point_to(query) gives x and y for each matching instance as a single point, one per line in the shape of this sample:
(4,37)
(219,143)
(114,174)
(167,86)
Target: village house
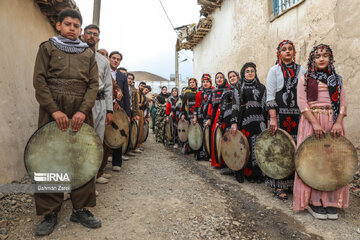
(233,32)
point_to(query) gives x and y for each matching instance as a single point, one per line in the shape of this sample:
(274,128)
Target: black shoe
(239,176)
(317,211)
(251,180)
(47,225)
(85,218)
(331,213)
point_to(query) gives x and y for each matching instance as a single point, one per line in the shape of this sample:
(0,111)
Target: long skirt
(213,161)
(305,195)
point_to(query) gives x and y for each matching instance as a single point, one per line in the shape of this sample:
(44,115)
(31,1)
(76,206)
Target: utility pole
(176,68)
(96,12)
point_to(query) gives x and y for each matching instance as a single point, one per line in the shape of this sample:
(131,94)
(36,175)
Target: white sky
(140,30)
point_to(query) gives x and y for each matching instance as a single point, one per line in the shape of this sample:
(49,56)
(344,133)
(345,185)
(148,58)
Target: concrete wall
(243,32)
(23,28)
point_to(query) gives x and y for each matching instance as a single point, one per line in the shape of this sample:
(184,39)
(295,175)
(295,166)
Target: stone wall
(243,32)
(23,28)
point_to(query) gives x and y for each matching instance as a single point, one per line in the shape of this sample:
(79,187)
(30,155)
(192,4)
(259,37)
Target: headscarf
(278,53)
(206,76)
(328,76)
(225,81)
(162,97)
(172,90)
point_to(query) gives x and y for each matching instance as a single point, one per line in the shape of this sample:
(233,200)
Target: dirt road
(161,194)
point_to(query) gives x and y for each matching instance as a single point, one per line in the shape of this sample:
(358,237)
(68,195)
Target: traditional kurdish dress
(214,105)
(160,104)
(281,82)
(226,108)
(173,107)
(201,99)
(325,110)
(249,113)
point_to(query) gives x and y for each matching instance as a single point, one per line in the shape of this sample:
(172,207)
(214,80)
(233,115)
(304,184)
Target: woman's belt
(64,86)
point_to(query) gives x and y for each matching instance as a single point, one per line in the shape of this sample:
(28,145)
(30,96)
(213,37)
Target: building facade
(244,31)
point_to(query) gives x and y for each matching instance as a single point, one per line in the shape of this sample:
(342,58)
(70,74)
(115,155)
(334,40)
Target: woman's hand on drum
(337,130)
(233,129)
(182,117)
(109,118)
(318,130)
(273,125)
(195,120)
(208,122)
(61,119)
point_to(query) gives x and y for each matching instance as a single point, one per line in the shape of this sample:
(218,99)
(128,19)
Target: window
(281,6)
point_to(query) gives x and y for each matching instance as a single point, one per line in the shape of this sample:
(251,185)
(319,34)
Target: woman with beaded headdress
(213,113)
(322,102)
(284,113)
(201,98)
(249,115)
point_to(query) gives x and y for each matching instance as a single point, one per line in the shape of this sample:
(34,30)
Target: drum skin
(207,139)
(169,129)
(117,133)
(217,138)
(235,150)
(183,130)
(275,153)
(146,131)
(195,136)
(326,164)
(134,135)
(51,150)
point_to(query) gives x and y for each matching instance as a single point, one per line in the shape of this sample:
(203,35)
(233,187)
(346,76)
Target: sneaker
(85,218)
(176,145)
(331,213)
(125,158)
(47,225)
(107,175)
(318,212)
(137,151)
(66,196)
(110,159)
(102,180)
(96,193)
(116,168)
(130,154)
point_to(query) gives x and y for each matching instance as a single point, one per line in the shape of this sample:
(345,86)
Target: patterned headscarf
(206,76)
(225,81)
(329,77)
(278,53)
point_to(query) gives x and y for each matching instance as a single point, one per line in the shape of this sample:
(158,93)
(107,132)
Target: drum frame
(217,158)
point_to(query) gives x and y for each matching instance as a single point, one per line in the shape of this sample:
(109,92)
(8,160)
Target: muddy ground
(162,194)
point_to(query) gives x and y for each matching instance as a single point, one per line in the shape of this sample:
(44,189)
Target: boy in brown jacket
(66,84)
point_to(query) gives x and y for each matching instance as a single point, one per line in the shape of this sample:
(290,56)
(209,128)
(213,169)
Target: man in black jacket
(120,78)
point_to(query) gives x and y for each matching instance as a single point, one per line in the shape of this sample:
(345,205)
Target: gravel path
(161,194)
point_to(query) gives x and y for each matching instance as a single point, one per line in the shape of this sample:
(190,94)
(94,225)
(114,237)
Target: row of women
(300,101)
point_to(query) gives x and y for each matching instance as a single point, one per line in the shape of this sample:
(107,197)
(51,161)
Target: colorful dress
(303,194)
(281,87)
(249,113)
(214,105)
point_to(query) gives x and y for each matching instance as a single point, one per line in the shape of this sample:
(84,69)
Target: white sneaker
(116,168)
(96,193)
(102,180)
(176,145)
(66,196)
(130,154)
(107,175)
(137,151)
(110,159)
(125,158)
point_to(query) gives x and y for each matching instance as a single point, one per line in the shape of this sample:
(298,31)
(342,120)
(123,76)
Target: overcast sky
(140,30)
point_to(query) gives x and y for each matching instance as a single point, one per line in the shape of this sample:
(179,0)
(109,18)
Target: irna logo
(51,177)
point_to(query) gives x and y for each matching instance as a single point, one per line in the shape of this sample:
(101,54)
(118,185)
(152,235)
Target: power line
(167,16)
